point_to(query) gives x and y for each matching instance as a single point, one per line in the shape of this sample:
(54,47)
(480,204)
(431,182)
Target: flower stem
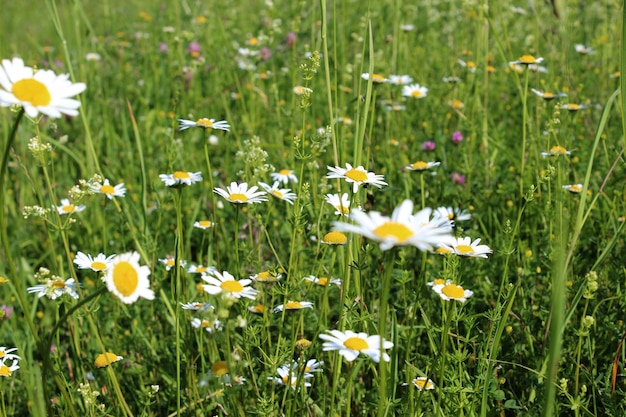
(382,330)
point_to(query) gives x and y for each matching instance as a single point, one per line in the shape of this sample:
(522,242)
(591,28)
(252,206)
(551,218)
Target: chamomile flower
(455,214)
(400,79)
(527,60)
(241,194)
(209,325)
(351,344)
(573,107)
(6,370)
(335,238)
(105,359)
(546,95)
(293,305)
(204,224)
(128,280)
(422,166)
(289,377)
(180,178)
(423,383)
(450,291)
(357,176)
(556,150)
(204,123)
(67,208)
(38,92)
(267,276)
(199,269)
(226,284)
(573,188)
(196,306)
(284,175)
(99,264)
(463,246)
(401,229)
(323,281)
(6,354)
(284,194)
(341,204)
(109,190)
(376,78)
(414,91)
(54,288)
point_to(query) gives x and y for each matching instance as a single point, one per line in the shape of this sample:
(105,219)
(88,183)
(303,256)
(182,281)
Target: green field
(293,208)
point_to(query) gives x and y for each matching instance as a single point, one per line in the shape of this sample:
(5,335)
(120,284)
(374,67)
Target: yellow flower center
(377,78)
(457,104)
(69,208)
(322,281)
(335,238)
(420,165)
(277,193)
(292,305)
(558,150)
(548,96)
(200,269)
(32,91)
(125,278)
(422,383)
(238,197)
(471,64)
(453,291)
(181,175)
(356,175)
(105,359)
(572,107)
(356,343)
(219,368)
(259,308)
(575,188)
(345,210)
(465,249)
(253,41)
(284,172)
(107,189)
(57,285)
(393,229)
(527,59)
(231,286)
(2,353)
(205,123)
(442,251)
(416,93)
(5,371)
(205,223)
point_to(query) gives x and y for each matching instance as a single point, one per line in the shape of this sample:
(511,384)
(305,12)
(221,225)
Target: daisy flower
(527,60)
(289,378)
(401,229)
(335,238)
(100,263)
(38,92)
(357,176)
(463,246)
(395,106)
(449,291)
(422,166)
(399,79)
(204,224)
(312,365)
(180,178)
(423,383)
(556,150)
(376,78)
(414,91)
(293,305)
(284,194)
(266,276)
(108,190)
(105,359)
(455,214)
(572,107)
(208,325)
(547,95)
(170,261)
(203,123)
(257,309)
(343,119)
(438,281)
(194,306)
(300,90)
(55,287)
(584,50)
(225,283)
(469,65)
(5,354)
(341,204)
(351,344)
(284,175)
(6,370)
(66,207)
(573,188)
(127,280)
(240,194)
(323,281)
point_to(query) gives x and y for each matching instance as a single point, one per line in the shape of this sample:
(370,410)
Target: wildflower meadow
(312,208)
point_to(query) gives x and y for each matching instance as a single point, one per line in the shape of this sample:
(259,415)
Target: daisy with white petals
(341,204)
(99,264)
(284,194)
(181,178)
(414,91)
(38,92)
(54,288)
(67,208)
(109,190)
(226,284)
(401,229)
(422,166)
(351,344)
(463,246)
(241,194)
(573,188)
(450,291)
(128,280)
(293,305)
(356,176)
(204,123)
(284,176)
(6,354)
(6,370)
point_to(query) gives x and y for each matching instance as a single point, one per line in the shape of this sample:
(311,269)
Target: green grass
(541,333)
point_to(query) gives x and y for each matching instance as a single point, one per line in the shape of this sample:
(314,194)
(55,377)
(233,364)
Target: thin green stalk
(524,131)
(443,351)
(177,289)
(382,330)
(329,87)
